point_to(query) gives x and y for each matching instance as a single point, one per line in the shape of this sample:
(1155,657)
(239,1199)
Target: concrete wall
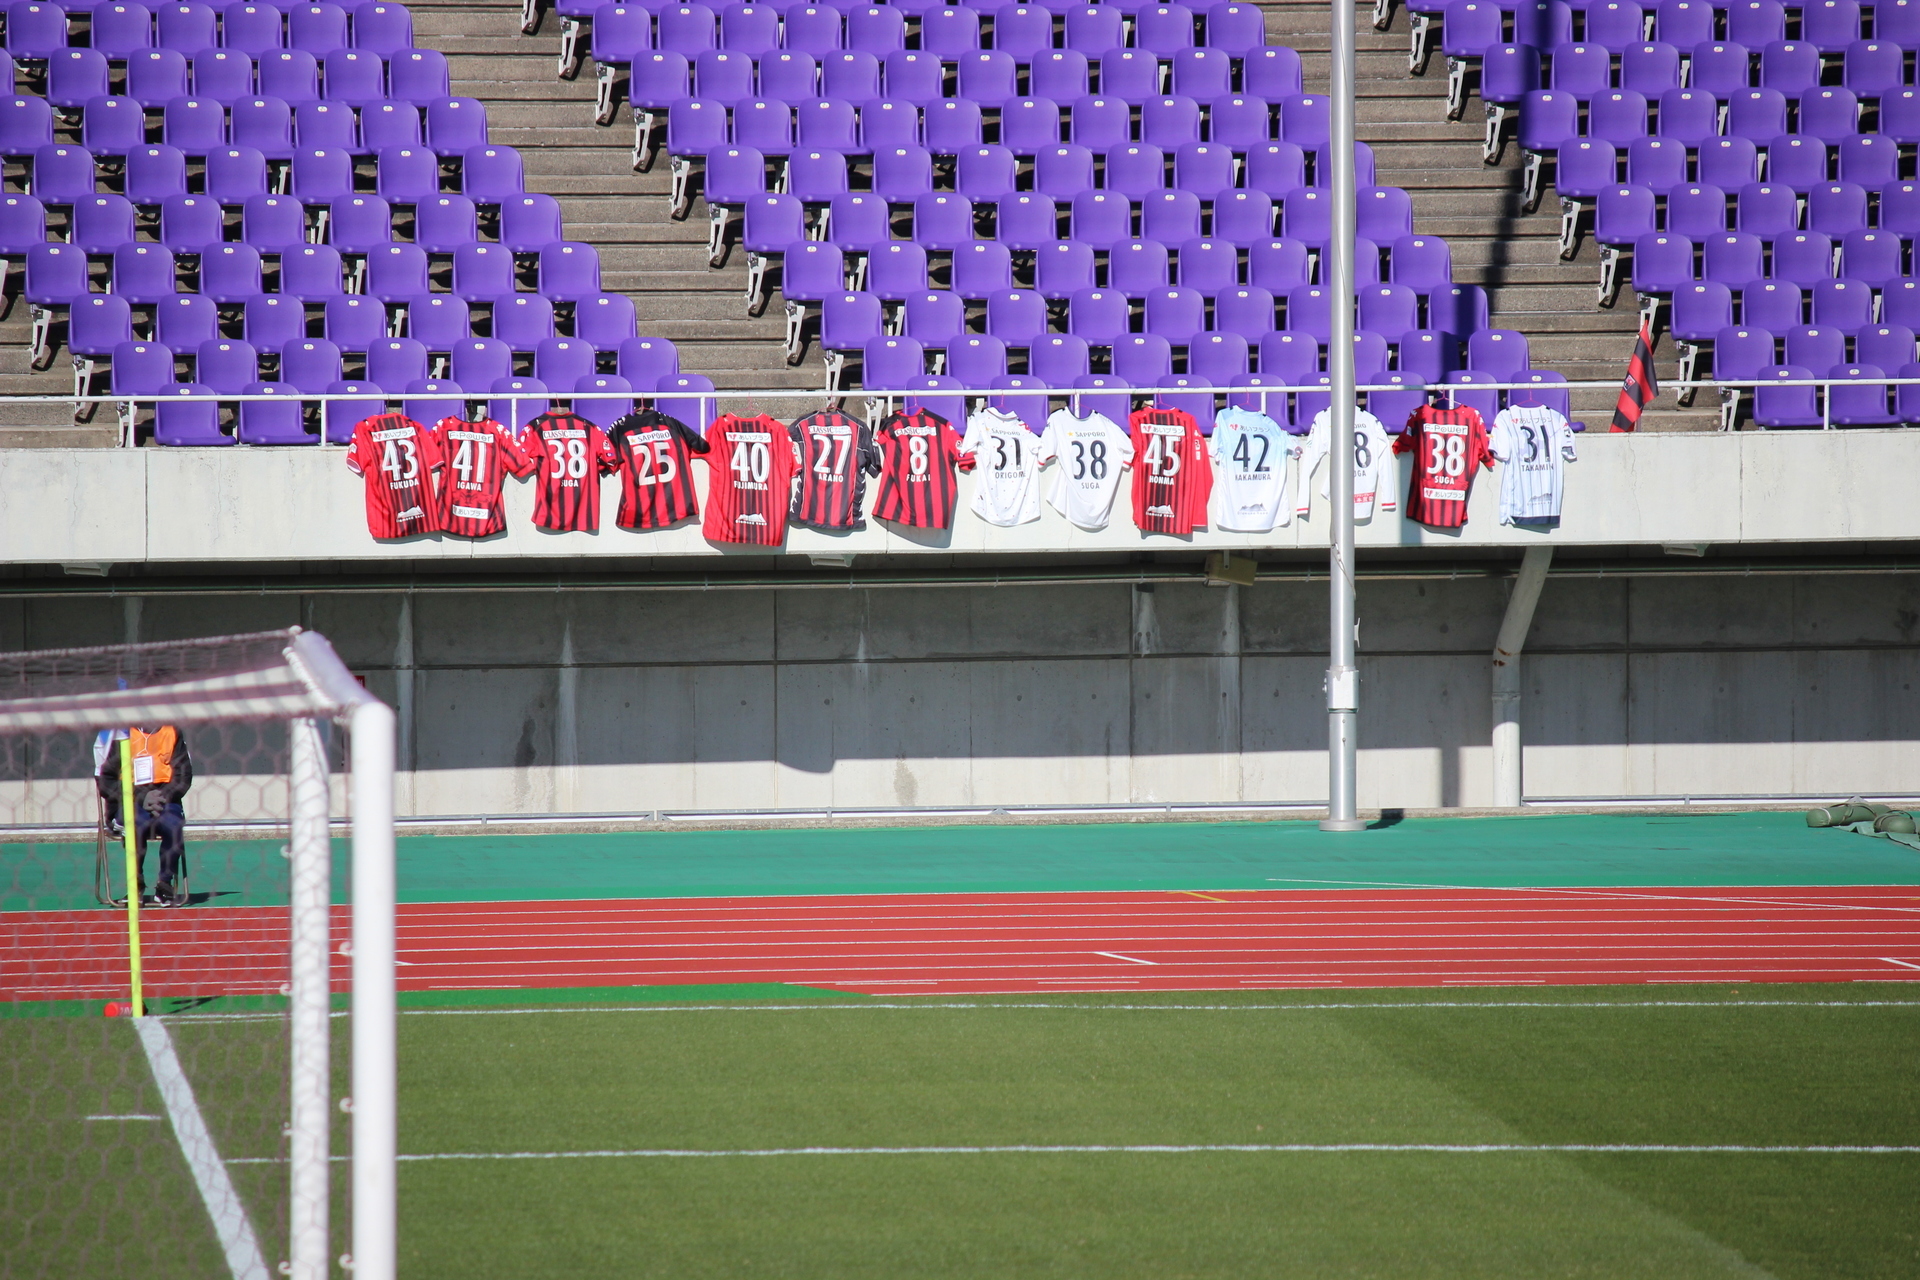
(211,505)
(595,702)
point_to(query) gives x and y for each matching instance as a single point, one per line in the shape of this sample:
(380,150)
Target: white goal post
(292,677)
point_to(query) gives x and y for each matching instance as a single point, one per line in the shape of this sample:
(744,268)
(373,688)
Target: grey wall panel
(1186,729)
(1450,617)
(485,737)
(1679,705)
(696,627)
(1710,613)
(1281,615)
(1864,608)
(187,617)
(1283,729)
(1193,618)
(1041,730)
(947,622)
(73,623)
(364,630)
(895,733)
(1578,613)
(1573,724)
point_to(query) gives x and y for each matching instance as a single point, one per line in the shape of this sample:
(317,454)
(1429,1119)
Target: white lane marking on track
(1284,1148)
(1115,955)
(863,1005)
(1613,893)
(1904,964)
(230,1224)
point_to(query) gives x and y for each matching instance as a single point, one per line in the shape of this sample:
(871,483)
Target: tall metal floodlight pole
(1343,678)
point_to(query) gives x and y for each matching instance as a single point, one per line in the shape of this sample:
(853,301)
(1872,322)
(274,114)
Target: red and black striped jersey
(572,455)
(398,459)
(837,454)
(1452,445)
(1172,479)
(479,456)
(918,452)
(656,471)
(749,479)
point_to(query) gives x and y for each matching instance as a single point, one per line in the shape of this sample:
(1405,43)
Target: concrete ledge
(240,504)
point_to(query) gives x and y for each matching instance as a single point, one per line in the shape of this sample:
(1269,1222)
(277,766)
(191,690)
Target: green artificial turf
(741,1076)
(1536,851)
(1760,1066)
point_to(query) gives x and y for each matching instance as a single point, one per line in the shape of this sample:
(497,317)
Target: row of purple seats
(1550,118)
(1100,317)
(659,79)
(1025,125)
(183,422)
(197,126)
(227,365)
(1585,167)
(1104,318)
(112,125)
(950,31)
(63,174)
(1705,310)
(1473,26)
(124,27)
(1870,67)
(1858,398)
(270,322)
(56,279)
(990,78)
(155,77)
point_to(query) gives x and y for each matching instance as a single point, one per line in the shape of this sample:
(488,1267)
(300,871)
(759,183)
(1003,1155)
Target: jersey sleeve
(514,458)
(1388,486)
(1409,440)
(869,451)
(1312,453)
(1123,447)
(1049,447)
(357,458)
(695,442)
(1566,439)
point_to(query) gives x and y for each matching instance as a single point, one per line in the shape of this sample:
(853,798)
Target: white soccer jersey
(1370,449)
(1006,457)
(1533,444)
(1091,452)
(1250,453)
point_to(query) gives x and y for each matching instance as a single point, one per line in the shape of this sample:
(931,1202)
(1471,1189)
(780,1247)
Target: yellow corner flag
(130,829)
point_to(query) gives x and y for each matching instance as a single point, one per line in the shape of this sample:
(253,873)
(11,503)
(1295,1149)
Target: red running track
(976,943)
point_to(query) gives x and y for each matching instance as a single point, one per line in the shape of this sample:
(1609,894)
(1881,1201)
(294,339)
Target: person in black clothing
(162,774)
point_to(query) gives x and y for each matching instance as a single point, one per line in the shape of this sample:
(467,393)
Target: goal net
(182,947)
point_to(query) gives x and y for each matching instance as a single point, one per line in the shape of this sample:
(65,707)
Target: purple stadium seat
(877,30)
(396,272)
(981,269)
(1734,258)
(445,223)
(950,31)
(987,76)
(814,29)
(1776,305)
(189,223)
(1721,68)
(479,362)
(1802,259)
(273,421)
(354,323)
(185,422)
(1280,264)
(932,317)
(856,221)
(1816,346)
(271,320)
(895,270)
(1869,160)
(144,274)
(887,123)
(438,320)
(1100,122)
(1247,310)
(1650,67)
(1202,74)
(317,29)
(1018,317)
(389,124)
(75,77)
(359,224)
(1728,163)
(1830,25)
(1277,168)
(826,125)
(294,75)
(226,365)
(1060,75)
(156,77)
(915,76)
(393,363)
(100,224)
(1132,75)
(1791,66)
(1030,125)
(188,28)
(1063,268)
(1659,163)
(976,360)
(902,174)
(1094,29)
(252,29)
(382,28)
(943,221)
(1829,114)
(274,224)
(1101,317)
(1843,304)
(1837,208)
(407,175)
(222,74)
(1766,210)
(1027,221)
(1785,406)
(1164,29)
(1759,114)
(1170,216)
(491,175)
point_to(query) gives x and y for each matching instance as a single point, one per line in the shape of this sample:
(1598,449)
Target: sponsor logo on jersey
(393,433)
(469,435)
(472,513)
(752,517)
(411,513)
(650,437)
(1443,495)
(750,437)
(1163,428)
(563,433)
(1161,511)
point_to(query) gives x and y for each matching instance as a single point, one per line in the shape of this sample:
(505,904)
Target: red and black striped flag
(1638,391)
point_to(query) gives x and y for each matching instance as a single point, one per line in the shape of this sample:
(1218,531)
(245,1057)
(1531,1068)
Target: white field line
(1279,1148)
(827,1006)
(1905,964)
(229,1216)
(1114,955)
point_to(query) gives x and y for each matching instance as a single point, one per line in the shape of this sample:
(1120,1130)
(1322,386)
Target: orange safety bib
(152,755)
